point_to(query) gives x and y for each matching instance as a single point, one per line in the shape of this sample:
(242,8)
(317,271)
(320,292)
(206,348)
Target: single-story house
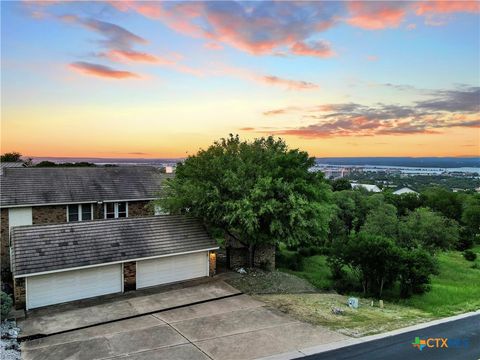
(57,263)
(368,187)
(405,190)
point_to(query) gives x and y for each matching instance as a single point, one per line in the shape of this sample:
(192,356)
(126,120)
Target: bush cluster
(6,304)
(469,255)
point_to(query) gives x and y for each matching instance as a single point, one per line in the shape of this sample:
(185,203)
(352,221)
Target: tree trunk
(381,288)
(251,255)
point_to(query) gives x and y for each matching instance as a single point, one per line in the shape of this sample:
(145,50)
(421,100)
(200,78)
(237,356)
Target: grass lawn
(455,290)
(315,271)
(366,320)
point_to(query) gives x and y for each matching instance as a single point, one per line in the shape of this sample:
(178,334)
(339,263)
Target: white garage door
(171,269)
(72,285)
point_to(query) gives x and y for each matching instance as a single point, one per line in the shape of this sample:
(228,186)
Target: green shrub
(311,251)
(6,304)
(469,255)
(415,267)
(289,260)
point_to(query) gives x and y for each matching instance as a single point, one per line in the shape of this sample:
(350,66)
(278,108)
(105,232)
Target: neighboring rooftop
(44,248)
(368,187)
(10,164)
(405,190)
(43,186)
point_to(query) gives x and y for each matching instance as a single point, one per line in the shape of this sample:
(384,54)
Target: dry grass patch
(366,320)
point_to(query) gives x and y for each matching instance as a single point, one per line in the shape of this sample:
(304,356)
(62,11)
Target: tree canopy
(258,192)
(11,157)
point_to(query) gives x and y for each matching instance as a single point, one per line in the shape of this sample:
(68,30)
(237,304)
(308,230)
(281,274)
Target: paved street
(466,330)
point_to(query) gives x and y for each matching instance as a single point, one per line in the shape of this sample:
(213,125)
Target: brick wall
(19,293)
(129,276)
(237,255)
(4,247)
(55,214)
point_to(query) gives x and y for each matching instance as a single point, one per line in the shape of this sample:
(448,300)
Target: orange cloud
(445,7)
(375,15)
(101,71)
(213,46)
(132,56)
(319,49)
(289,84)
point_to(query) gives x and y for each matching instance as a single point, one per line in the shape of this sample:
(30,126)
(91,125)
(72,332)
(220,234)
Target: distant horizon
(316,157)
(409,162)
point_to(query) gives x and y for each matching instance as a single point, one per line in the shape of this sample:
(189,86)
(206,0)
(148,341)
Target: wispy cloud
(101,71)
(446,109)
(289,84)
(467,100)
(258,28)
(114,36)
(320,49)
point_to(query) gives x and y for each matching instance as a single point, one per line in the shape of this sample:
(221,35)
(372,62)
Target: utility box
(353,302)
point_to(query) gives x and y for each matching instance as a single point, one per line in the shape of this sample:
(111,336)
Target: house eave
(75,202)
(114,262)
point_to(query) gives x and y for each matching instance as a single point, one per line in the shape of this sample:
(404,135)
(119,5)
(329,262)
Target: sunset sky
(151,79)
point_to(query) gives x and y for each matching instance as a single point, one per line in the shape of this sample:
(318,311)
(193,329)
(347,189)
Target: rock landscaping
(10,348)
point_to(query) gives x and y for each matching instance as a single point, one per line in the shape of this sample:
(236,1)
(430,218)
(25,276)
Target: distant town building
(368,187)
(405,190)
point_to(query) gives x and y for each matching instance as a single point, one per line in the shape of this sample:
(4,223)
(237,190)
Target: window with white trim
(79,212)
(115,210)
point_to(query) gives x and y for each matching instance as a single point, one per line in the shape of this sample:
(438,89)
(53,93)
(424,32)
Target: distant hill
(436,162)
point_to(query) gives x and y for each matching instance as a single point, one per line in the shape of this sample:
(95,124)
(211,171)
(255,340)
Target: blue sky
(167,78)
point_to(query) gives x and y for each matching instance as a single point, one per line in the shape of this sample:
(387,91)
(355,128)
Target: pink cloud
(101,71)
(445,7)
(376,15)
(213,45)
(118,55)
(289,84)
(318,48)
(256,28)
(372,58)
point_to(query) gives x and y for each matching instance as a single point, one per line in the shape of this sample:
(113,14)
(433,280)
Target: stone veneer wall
(4,247)
(19,293)
(55,214)
(140,208)
(129,276)
(264,257)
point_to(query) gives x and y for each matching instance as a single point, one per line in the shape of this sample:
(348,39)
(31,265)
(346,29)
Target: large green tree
(382,221)
(258,192)
(429,229)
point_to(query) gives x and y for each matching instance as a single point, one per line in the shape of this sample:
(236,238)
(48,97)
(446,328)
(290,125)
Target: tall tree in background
(257,192)
(11,157)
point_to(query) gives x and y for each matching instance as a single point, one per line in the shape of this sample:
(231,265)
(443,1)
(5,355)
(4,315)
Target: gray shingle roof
(38,186)
(53,247)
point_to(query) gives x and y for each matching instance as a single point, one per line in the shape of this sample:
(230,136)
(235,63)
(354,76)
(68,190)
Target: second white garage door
(171,269)
(72,285)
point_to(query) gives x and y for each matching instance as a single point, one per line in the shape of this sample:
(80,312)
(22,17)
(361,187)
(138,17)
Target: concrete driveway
(227,326)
